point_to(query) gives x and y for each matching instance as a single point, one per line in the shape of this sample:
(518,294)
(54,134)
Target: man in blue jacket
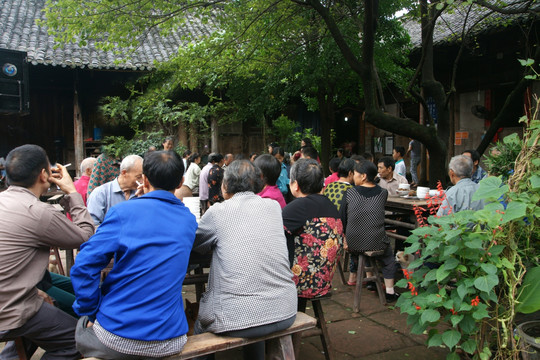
(137,312)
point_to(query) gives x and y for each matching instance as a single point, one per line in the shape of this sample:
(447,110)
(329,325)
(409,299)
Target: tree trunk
(183,134)
(328,117)
(193,137)
(214,131)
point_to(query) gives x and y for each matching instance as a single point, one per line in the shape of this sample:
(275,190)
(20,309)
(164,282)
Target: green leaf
(469,346)
(451,263)
(456,319)
(449,250)
(451,338)
(431,275)
(462,290)
(529,292)
(514,210)
(474,244)
(489,268)
(481,312)
(486,283)
(435,340)
(442,274)
(468,324)
(452,356)
(430,315)
(416,263)
(496,250)
(490,189)
(352,332)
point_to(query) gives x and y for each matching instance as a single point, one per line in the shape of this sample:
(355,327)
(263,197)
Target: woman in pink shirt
(270,168)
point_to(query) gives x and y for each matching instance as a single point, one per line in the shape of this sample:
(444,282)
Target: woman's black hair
(368,168)
(334,164)
(307,141)
(270,168)
(191,159)
(345,167)
(278,150)
(309,176)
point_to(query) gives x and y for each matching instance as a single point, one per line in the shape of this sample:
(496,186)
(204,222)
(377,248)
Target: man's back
(29,228)
(150,238)
(459,197)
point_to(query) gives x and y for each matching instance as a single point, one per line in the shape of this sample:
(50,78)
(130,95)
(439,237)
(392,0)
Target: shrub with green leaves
(472,263)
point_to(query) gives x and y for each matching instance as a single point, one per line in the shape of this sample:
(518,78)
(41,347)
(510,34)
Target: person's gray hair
(130,161)
(242,175)
(87,163)
(462,166)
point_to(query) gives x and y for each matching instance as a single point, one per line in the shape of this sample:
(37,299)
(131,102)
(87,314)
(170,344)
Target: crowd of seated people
(294,225)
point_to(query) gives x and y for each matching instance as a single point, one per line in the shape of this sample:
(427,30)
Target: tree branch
(526,8)
(515,96)
(350,57)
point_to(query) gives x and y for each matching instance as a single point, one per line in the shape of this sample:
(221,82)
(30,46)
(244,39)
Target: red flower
(331,222)
(339,226)
(475,301)
(303,262)
(308,239)
(332,252)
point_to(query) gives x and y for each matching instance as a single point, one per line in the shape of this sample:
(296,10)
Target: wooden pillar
(77,133)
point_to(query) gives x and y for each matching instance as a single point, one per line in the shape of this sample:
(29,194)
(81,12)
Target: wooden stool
(341,270)
(19,346)
(376,277)
(57,260)
(320,330)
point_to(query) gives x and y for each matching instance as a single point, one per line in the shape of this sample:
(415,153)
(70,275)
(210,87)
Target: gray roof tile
(20,32)
(449,26)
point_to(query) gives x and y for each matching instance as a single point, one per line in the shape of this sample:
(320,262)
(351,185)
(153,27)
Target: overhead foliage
(327,53)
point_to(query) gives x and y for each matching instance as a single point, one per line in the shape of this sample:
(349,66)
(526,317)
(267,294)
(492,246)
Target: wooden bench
(279,345)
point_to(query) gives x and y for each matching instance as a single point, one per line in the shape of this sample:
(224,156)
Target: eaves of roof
(19,31)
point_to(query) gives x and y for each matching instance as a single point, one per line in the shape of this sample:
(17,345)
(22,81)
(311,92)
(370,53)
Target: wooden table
(396,205)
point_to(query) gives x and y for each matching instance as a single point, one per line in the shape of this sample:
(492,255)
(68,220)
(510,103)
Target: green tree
(267,42)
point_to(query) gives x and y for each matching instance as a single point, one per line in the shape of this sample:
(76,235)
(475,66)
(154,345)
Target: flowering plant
(470,264)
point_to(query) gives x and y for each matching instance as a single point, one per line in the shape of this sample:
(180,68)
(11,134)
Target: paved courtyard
(376,333)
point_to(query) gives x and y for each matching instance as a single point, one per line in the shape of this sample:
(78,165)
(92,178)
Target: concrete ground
(377,332)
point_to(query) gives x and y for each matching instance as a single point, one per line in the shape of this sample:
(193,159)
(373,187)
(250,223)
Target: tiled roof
(19,31)
(449,26)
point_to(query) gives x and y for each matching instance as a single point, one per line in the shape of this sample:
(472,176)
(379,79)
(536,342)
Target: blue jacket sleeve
(94,256)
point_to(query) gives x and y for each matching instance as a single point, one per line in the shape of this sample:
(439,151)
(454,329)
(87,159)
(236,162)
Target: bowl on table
(422,192)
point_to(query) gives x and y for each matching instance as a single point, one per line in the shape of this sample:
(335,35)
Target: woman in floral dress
(314,232)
